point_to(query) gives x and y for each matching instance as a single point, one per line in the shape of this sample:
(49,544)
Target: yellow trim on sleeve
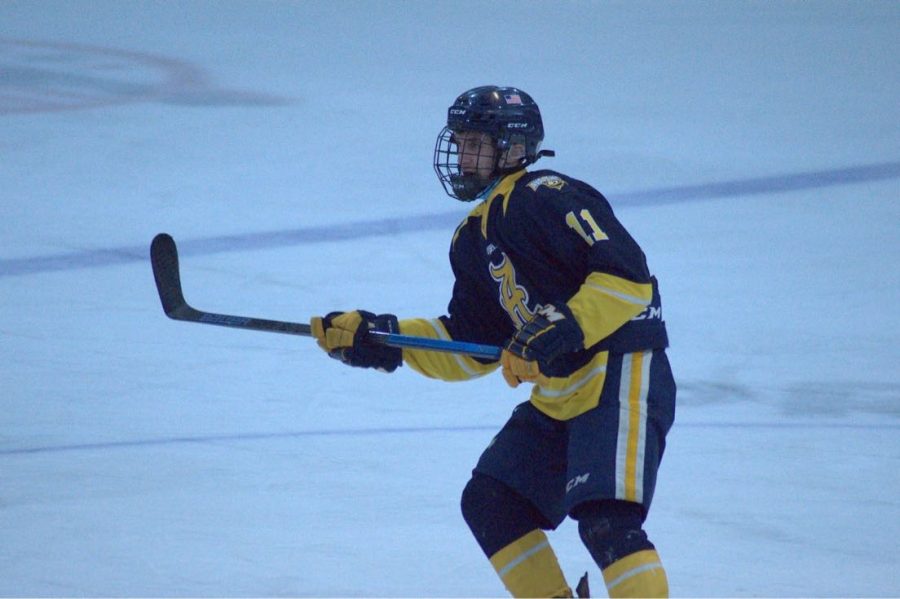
(439,365)
(605,302)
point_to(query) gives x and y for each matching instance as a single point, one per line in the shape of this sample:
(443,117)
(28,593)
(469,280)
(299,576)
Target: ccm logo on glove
(343,336)
(552,332)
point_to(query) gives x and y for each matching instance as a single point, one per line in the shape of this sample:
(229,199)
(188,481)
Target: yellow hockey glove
(516,370)
(343,336)
(552,332)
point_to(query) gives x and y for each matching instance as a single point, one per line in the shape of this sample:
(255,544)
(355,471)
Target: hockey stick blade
(164,259)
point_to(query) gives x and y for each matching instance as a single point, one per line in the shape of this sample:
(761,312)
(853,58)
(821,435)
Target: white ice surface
(144,457)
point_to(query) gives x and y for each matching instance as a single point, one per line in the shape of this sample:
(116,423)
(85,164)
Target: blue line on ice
(444,220)
(243,437)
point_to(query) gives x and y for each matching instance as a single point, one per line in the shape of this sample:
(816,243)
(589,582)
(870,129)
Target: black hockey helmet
(508,115)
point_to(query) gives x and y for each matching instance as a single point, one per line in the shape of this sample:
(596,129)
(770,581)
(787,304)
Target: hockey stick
(164,258)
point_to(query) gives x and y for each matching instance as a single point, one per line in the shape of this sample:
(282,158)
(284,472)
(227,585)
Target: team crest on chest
(513,297)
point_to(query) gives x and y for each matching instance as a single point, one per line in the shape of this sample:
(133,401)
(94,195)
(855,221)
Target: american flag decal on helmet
(512,99)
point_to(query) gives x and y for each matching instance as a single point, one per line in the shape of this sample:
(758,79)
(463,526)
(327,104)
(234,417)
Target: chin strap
(501,173)
(524,163)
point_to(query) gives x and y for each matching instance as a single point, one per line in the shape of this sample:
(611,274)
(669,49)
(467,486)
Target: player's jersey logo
(513,297)
(551,181)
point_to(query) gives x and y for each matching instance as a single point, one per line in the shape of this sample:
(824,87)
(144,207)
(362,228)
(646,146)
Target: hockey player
(544,269)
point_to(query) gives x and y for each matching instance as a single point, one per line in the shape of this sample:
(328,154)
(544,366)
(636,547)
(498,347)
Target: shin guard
(612,531)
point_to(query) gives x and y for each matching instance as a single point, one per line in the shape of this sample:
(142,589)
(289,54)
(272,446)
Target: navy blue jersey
(543,238)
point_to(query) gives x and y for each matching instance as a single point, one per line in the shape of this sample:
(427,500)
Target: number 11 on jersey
(596,233)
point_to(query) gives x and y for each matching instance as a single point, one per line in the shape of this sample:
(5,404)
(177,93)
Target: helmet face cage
(448,158)
(508,115)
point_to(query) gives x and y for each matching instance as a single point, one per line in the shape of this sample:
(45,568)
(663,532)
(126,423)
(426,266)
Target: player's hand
(516,370)
(343,336)
(552,332)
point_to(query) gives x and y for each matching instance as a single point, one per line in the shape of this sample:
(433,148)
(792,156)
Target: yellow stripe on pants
(633,386)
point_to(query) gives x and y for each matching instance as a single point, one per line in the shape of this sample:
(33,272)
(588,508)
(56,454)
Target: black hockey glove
(552,332)
(343,336)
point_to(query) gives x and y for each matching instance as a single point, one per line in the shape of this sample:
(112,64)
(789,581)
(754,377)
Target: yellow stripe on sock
(640,574)
(528,568)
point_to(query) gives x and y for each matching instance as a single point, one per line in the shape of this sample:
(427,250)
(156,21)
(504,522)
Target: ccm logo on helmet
(517,126)
(457,111)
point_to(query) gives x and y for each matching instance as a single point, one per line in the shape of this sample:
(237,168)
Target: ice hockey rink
(752,148)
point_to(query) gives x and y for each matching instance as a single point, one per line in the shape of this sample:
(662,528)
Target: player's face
(476,153)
